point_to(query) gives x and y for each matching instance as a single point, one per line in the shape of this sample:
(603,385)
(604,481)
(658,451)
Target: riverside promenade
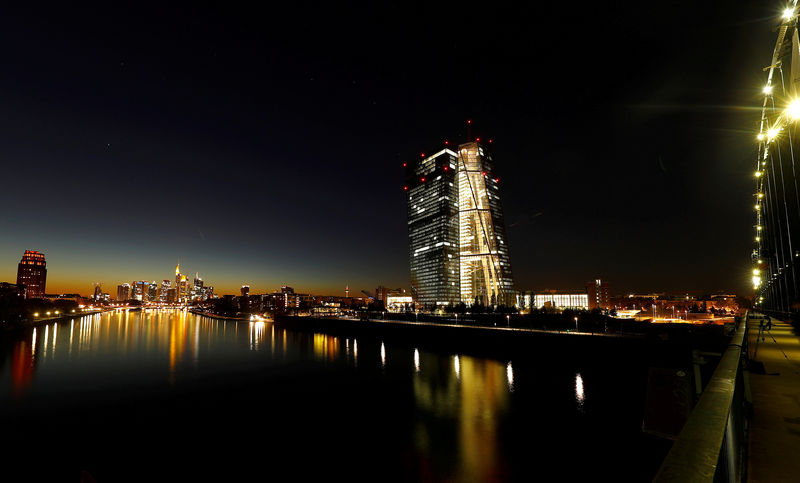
(775,428)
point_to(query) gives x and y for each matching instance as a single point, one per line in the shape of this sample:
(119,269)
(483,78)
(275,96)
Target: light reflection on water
(579,397)
(469,396)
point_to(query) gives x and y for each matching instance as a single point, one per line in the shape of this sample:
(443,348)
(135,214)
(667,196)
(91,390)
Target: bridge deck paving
(775,429)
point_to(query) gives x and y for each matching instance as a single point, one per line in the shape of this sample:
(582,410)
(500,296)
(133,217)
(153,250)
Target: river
(165,394)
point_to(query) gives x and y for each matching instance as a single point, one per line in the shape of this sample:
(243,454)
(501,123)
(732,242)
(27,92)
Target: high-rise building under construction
(457,241)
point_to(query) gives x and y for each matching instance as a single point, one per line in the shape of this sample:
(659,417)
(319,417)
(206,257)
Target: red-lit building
(598,295)
(32,273)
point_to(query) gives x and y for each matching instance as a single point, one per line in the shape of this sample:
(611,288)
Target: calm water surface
(161,395)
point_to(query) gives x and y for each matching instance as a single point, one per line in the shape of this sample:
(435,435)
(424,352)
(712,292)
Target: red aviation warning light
(446,142)
(405,164)
(445,168)
(421,155)
(477,140)
(422,179)
(484,173)
(405,188)
(491,141)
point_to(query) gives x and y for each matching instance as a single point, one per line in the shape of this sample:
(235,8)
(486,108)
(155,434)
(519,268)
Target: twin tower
(456,231)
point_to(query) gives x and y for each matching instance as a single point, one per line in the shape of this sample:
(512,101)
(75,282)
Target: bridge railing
(712,446)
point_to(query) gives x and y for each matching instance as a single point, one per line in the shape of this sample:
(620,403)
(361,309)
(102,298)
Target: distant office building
(172,296)
(399,303)
(11,289)
(556,300)
(380,294)
(181,285)
(245,290)
(140,290)
(98,292)
(163,291)
(286,298)
(32,273)
(197,288)
(599,297)
(123,292)
(457,241)
(152,291)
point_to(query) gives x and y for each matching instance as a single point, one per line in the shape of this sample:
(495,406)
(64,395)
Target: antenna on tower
(469,129)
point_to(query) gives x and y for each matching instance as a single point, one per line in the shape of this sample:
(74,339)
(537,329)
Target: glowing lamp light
(758,238)
(794,110)
(758,227)
(767,89)
(758,207)
(772,133)
(760,195)
(760,136)
(36,314)
(755,271)
(756,280)
(788,13)
(758,173)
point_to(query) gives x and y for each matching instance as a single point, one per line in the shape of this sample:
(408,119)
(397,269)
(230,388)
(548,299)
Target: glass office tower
(432,196)
(457,239)
(485,268)
(32,273)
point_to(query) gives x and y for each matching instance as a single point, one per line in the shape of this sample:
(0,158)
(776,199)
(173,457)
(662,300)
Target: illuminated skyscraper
(178,278)
(32,273)
(197,288)
(123,292)
(163,291)
(457,241)
(432,196)
(485,268)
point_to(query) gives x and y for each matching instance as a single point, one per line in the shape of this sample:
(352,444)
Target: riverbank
(503,341)
(37,321)
(223,317)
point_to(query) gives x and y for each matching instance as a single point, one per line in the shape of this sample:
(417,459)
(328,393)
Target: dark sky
(265,145)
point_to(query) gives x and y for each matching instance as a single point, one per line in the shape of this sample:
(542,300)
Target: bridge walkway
(775,429)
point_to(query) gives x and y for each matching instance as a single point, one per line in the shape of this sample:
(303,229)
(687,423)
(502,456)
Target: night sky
(265,146)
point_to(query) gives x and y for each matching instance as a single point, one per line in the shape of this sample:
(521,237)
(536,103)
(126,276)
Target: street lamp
(576,324)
